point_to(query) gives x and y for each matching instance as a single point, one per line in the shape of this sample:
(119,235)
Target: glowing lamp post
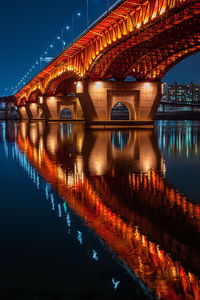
(87,4)
(63,41)
(73,21)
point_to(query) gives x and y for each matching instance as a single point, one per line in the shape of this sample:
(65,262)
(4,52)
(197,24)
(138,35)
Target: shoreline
(173,115)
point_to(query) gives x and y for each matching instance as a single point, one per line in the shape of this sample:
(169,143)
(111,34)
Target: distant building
(182,92)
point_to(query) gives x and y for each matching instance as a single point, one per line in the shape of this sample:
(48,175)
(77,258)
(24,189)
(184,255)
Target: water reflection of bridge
(121,193)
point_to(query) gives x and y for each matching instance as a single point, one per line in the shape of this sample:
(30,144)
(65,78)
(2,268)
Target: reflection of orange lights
(52,143)
(141,254)
(34,134)
(23,130)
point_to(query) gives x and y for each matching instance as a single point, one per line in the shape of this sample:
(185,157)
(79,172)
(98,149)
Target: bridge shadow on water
(115,181)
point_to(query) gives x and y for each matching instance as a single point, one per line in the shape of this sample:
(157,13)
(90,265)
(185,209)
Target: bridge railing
(86,30)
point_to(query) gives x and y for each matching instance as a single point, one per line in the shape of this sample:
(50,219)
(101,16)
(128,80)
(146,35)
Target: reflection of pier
(160,212)
(135,211)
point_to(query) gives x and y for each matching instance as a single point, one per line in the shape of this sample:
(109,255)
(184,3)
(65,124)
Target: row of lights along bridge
(52,50)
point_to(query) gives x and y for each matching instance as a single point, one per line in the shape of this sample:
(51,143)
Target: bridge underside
(151,53)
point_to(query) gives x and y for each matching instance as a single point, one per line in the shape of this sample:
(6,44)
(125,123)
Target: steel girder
(141,55)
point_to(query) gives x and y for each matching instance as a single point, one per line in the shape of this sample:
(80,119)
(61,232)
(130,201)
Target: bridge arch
(62,85)
(122,109)
(22,107)
(155,64)
(22,101)
(66,113)
(131,58)
(33,97)
(166,65)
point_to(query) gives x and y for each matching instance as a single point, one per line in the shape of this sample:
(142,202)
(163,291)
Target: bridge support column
(33,111)
(97,99)
(55,105)
(23,113)
(29,111)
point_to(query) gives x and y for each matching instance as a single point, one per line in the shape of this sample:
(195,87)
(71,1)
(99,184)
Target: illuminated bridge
(143,39)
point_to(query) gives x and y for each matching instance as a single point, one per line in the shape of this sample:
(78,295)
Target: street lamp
(62,36)
(51,47)
(87,8)
(73,20)
(87,11)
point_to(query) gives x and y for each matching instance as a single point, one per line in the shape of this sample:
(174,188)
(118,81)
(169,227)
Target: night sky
(28,28)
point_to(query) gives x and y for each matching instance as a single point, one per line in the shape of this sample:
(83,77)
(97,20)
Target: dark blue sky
(29,27)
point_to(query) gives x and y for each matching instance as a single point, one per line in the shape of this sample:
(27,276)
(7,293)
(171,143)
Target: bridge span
(143,39)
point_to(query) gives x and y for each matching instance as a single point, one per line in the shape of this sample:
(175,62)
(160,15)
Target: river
(99,214)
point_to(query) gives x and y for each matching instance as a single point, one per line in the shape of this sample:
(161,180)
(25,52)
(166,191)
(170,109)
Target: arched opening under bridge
(66,87)
(63,85)
(66,114)
(33,97)
(120,112)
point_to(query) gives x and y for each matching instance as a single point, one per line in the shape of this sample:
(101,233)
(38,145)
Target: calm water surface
(99,214)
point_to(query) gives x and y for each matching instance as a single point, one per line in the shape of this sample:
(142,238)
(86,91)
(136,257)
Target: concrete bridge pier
(23,113)
(97,99)
(31,111)
(94,102)
(61,107)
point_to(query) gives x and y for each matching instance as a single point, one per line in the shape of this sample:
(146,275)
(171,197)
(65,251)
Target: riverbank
(12,115)
(178,115)
(167,115)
